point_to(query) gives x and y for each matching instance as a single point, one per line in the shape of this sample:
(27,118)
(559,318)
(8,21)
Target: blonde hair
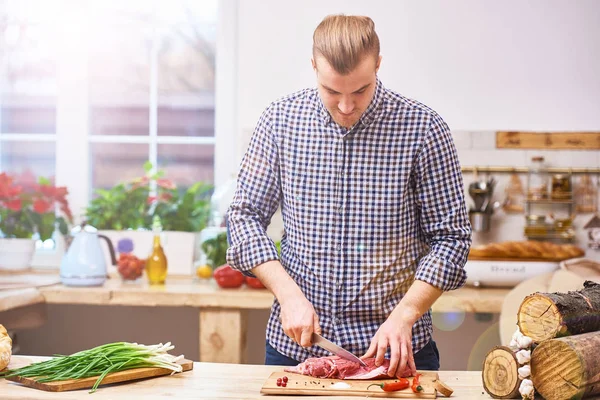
(343,40)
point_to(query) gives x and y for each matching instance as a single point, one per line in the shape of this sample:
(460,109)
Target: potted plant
(28,213)
(127,210)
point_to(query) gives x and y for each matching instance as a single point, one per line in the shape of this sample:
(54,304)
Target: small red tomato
(283,384)
(254,283)
(284,379)
(278,381)
(228,277)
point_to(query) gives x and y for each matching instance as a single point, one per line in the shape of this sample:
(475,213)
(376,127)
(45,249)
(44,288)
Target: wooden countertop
(184,291)
(213,381)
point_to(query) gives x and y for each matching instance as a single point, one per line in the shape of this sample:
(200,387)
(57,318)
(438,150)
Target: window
(90,90)
(28,90)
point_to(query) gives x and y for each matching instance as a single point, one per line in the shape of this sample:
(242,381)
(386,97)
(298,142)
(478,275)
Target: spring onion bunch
(100,361)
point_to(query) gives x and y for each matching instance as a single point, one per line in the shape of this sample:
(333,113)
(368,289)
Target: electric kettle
(84,264)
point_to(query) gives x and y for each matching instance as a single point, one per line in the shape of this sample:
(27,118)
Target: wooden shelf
(555,235)
(550,201)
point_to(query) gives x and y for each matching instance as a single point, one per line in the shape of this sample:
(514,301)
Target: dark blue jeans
(428,358)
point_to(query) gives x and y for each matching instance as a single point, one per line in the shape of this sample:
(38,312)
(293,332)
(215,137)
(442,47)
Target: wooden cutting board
(307,385)
(87,383)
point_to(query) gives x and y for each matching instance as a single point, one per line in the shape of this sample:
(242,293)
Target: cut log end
(500,373)
(557,371)
(539,318)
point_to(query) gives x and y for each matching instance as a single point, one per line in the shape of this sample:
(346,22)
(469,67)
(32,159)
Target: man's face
(346,97)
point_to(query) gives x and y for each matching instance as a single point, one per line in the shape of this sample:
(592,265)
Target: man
(371,193)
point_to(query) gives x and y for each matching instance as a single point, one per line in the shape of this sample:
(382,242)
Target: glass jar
(536,225)
(561,187)
(537,182)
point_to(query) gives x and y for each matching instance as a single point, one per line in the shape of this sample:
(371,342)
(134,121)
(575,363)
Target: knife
(335,349)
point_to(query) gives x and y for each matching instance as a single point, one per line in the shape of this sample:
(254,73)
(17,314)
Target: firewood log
(568,367)
(500,376)
(545,316)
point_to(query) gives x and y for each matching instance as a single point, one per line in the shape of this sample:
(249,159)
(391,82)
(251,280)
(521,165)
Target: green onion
(99,361)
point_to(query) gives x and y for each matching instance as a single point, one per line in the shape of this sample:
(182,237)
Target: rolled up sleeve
(255,201)
(443,217)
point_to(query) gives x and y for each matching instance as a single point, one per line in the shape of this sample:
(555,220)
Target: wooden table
(213,381)
(223,311)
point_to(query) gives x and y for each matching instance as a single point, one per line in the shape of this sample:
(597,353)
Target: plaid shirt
(366,211)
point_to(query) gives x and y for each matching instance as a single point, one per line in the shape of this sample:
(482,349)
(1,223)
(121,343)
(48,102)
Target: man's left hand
(396,334)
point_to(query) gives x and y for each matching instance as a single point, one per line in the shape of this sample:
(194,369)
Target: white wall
(483,65)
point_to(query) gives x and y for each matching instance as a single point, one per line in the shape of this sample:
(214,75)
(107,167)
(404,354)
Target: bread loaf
(5,348)
(526,250)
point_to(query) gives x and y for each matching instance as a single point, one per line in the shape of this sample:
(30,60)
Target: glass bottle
(537,183)
(156,264)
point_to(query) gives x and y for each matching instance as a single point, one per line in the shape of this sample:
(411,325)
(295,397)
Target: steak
(335,367)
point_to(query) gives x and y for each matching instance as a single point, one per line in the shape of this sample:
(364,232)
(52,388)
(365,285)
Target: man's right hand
(299,320)
(298,316)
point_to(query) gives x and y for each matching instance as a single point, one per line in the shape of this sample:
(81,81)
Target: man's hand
(396,331)
(298,316)
(397,335)
(299,320)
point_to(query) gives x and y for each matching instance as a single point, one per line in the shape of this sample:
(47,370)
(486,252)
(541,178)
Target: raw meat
(338,368)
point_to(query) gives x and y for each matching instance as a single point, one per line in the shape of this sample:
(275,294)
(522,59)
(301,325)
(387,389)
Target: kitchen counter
(223,312)
(214,381)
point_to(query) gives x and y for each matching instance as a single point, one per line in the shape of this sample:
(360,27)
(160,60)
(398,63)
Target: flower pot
(16,254)
(181,248)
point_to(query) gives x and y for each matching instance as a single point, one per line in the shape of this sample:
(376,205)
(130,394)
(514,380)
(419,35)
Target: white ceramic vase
(16,254)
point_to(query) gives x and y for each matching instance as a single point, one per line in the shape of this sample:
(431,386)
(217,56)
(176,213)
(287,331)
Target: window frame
(72,138)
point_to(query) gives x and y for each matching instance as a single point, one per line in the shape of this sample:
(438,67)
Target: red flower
(166,184)
(42,206)
(14,205)
(7,189)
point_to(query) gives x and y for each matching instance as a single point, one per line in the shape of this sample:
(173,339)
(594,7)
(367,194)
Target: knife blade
(335,349)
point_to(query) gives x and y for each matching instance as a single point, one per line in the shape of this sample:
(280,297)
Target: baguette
(5,348)
(527,249)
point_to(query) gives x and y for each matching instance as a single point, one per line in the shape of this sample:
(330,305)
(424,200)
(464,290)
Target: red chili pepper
(403,383)
(416,386)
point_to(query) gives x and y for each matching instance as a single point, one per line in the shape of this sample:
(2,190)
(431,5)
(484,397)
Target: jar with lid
(536,225)
(537,182)
(561,187)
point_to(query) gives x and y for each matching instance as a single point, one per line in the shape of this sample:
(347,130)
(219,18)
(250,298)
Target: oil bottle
(156,264)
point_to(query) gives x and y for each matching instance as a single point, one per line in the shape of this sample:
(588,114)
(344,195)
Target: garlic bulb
(524,371)
(526,389)
(524,342)
(520,341)
(523,356)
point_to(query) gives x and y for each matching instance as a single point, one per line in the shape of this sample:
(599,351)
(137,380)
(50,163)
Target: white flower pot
(16,254)
(181,248)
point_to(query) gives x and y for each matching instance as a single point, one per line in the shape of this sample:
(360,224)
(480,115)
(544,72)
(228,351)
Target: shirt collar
(366,118)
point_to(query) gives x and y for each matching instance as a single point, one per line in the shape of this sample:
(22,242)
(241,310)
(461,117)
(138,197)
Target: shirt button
(340,209)
(339,247)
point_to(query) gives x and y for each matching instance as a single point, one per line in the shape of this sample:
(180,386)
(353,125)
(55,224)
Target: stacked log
(500,377)
(562,366)
(567,368)
(544,316)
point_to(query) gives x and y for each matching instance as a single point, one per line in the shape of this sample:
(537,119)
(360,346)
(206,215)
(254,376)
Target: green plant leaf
(147,166)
